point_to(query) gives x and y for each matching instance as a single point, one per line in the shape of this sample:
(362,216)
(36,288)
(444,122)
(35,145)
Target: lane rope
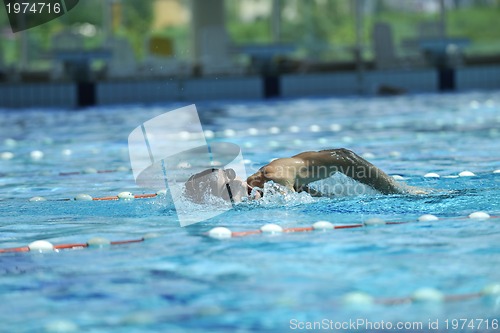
(422,295)
(270,228)
(120,196)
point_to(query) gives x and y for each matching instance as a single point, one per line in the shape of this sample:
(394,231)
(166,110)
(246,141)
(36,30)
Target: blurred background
(134,40)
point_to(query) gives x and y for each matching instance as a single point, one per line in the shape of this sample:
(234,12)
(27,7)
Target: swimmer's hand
(255,193)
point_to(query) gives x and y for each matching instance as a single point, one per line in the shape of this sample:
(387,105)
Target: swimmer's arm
(280,171)
(353,166)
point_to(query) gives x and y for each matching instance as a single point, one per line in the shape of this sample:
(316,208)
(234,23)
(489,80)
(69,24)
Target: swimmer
(295,174)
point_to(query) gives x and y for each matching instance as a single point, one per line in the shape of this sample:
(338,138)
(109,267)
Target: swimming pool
(184,281)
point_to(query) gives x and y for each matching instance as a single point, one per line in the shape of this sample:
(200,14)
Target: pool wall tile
(319,84)
(38,95)
(413,81)
(223,88)
(64,95)
(136,92)
(175,90)
(470,78)
(350,83)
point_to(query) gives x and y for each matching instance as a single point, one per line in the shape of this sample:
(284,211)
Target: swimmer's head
(216,182)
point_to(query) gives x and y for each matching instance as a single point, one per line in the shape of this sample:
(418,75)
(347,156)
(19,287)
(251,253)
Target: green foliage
(87,11)
(328,26)
(4,21)
(241,32)
(324,29)
(247,33)
(480,24)
(180,37)
(137,18)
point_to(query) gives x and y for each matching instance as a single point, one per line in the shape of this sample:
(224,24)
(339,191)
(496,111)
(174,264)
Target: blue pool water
(183,281)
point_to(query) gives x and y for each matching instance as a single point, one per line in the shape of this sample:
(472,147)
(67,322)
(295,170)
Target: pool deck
(148,91)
